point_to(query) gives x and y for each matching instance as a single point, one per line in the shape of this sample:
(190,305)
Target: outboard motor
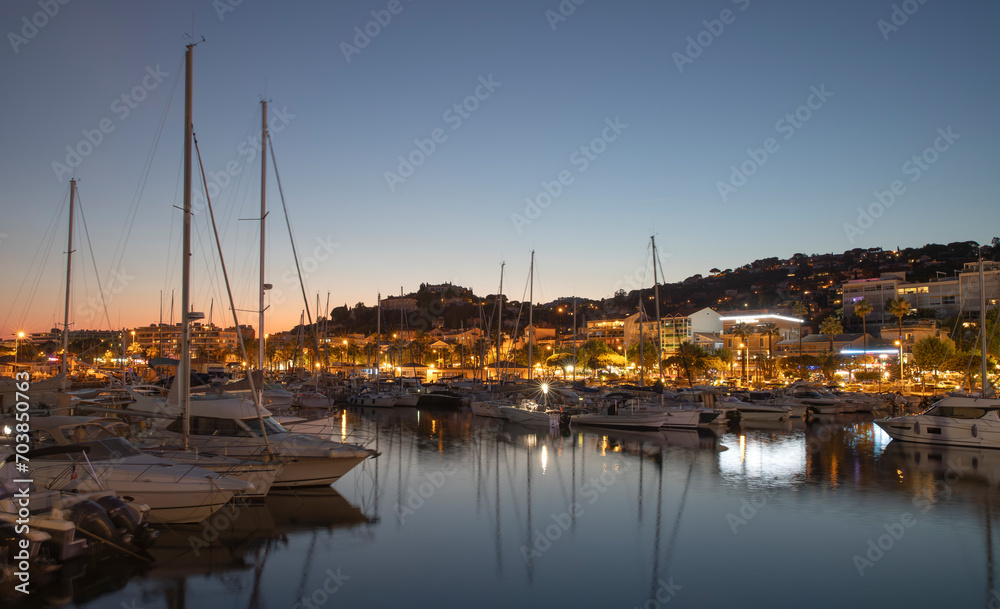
(90,517)
(123,517)
(9,542)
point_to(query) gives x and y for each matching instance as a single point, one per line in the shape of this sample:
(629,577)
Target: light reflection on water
(462,511)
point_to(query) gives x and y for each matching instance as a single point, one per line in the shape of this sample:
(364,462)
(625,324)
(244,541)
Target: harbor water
(460,511)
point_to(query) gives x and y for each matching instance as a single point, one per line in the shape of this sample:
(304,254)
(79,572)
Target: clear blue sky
(558,84)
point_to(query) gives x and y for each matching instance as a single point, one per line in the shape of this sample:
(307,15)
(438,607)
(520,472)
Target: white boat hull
(926,429)
(526,417)
(621,421)
(486,409)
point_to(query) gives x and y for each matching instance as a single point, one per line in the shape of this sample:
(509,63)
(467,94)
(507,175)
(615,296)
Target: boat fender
(916,427)
(975,430)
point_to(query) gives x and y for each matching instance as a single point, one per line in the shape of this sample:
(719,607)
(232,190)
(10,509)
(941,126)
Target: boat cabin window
(211,426)
(954,412)
(100,450)
(270,426)
(111,448)
(84,433)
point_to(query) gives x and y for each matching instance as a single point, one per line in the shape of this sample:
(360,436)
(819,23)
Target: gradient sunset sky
(622,119)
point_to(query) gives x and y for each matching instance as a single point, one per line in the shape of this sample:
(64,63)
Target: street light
(17,344)
(899,344)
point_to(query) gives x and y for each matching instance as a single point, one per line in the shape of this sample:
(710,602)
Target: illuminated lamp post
(17,346)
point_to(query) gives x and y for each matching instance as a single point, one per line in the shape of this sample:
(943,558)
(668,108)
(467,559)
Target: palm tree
(800,310)
(862,308)
(770,330)
(831,326)
(693,359)
(899,307)
(743,331)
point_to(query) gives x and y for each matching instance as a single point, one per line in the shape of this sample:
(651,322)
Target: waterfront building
(946,296)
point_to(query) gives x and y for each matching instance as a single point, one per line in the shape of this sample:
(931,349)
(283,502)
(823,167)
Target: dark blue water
(467,512)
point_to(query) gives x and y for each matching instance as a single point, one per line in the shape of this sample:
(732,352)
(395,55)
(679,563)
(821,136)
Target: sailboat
(226,424)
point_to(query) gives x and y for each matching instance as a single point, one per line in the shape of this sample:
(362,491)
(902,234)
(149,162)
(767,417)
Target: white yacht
(225,425)
(527,412)
(953,421)
(56,517)
(370,398)
(622,420)
(174,492)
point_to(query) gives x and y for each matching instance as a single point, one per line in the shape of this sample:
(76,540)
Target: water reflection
(465,511)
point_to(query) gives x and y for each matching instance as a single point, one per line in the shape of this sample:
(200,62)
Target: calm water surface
(467,512)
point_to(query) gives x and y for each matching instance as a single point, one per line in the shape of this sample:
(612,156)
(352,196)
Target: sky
(421,141)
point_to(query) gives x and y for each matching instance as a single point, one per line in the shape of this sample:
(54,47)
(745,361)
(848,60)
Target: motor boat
(80,455)
(66,523)
(952,421)
(233,427)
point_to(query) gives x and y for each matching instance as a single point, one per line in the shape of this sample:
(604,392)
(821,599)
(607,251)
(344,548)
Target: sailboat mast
(642,370)
(69,260)
(263,213)
(183,383)
(982,323)
(656,297)
(499,320)
(378,338)
(575,363)
(531,310)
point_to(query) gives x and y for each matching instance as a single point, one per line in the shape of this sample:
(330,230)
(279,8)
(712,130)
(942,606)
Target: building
(399,303)
(55,336)
(610,331)
(206,340)
(788,330)
(676,327)
(946,296)
(819,344)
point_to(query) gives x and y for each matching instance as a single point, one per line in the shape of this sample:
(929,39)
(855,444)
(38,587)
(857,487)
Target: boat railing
(100,473)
